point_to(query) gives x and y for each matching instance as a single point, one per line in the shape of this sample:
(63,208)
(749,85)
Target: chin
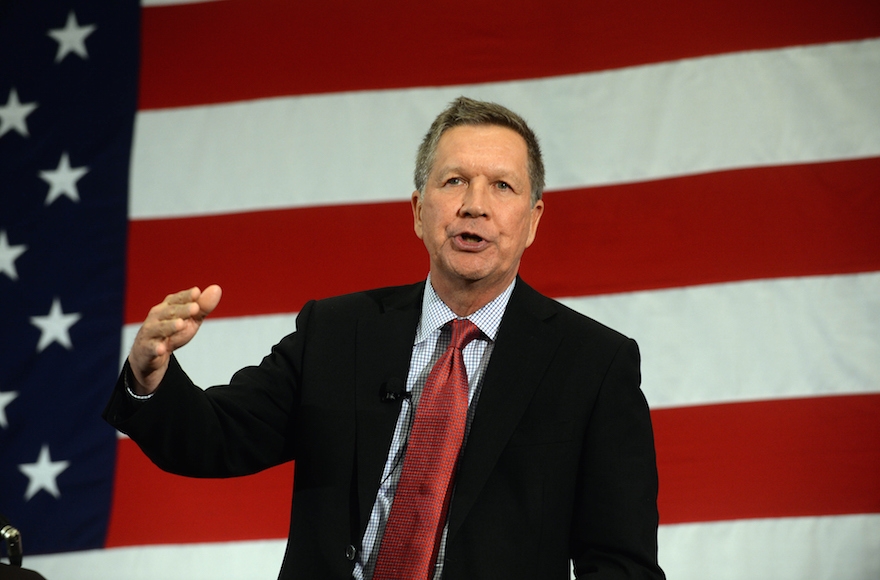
(471,269)
(470,273)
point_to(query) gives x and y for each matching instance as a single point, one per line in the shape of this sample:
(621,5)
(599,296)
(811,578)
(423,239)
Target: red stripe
(154,507)
(236,50)
(769,222)
(737,225)
(786,458)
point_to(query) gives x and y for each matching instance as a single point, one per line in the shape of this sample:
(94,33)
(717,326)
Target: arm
(222,431)
(615,520)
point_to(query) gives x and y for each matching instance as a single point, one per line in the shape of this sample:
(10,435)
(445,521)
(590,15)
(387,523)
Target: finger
(180,311)
(209,299)
(174,322)
(164,319)
(168,327)
(155,332)
(179,305)
(184,296)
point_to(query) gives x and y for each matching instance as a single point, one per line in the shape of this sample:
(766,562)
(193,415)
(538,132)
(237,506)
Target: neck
(466,297)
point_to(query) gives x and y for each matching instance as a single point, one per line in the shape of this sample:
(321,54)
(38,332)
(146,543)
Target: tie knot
(463,331)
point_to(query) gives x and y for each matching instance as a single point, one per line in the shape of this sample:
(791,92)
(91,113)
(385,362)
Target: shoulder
(561,318)
(332,324)
(366,303)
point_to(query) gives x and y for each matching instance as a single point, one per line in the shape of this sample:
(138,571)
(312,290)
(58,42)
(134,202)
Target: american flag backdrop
(713,192)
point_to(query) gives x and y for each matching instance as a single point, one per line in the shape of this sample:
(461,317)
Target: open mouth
(471,238)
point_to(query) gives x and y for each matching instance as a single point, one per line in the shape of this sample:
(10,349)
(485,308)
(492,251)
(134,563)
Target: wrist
(134,388)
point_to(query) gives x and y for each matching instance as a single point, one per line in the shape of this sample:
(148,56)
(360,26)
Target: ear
(535,217)
(417,212)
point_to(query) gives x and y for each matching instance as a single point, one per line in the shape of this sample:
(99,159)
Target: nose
(474,202)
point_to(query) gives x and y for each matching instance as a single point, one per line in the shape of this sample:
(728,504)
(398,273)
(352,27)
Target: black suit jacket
(559,462)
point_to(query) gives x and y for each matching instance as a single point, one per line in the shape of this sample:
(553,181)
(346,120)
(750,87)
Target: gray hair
(465,111)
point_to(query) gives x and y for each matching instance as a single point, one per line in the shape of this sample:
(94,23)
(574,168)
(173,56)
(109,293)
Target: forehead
(484,147)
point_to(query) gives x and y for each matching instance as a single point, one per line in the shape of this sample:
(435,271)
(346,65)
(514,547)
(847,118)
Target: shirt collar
(435,313)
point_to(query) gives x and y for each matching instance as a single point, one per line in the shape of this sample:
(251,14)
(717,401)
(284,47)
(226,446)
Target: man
(557,462)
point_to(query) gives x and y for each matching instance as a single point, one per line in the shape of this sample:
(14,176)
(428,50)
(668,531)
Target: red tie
(412,534)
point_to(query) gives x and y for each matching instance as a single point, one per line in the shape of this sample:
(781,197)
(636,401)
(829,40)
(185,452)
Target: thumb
(208,300)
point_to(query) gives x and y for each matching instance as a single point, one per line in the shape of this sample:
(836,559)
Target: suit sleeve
(615,527)
(223,431)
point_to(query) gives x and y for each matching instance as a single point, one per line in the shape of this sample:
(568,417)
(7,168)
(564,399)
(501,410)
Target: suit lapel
(523,350)
(384,350)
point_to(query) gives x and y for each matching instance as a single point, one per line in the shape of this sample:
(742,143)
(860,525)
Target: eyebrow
(504,175)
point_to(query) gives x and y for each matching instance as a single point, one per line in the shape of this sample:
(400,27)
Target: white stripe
(818,548)
(794,105)
(224,345)
(744,341)
(832,548)
(217,561)
(764,339)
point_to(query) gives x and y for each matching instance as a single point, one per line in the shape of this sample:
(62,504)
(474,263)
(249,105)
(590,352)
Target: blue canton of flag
(68,91)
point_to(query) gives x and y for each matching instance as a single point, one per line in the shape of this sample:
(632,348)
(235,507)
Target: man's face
(475,216)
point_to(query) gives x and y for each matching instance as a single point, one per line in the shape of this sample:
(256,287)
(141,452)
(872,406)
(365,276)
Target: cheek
(431,224)
(429,232)
(429,228)
(524,228)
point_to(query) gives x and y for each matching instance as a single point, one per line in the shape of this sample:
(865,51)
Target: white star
(43,474)
(8,255)
(14,113)
(63,180)
(5,399)
(55,326)
(71,38)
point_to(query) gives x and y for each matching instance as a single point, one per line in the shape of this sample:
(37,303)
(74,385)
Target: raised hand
(169,326)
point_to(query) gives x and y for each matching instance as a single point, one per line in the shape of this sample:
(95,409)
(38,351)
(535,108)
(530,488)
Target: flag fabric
(68,85)
(713,191)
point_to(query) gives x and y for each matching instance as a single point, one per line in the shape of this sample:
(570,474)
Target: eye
(454,181)
(503,185)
